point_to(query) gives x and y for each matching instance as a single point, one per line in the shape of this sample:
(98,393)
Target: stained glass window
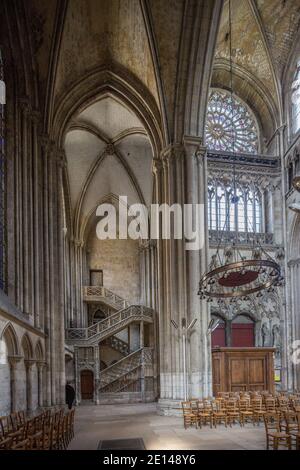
(224,215)
(2,182)
(230,125)
(296,100)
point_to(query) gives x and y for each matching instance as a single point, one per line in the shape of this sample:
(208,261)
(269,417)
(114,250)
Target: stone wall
(119,260)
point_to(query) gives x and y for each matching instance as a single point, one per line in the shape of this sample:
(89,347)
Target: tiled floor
(95,423)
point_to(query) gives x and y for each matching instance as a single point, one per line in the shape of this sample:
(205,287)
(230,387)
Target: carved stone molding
(156,166)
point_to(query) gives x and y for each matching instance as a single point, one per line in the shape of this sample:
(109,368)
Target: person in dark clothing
(70,395)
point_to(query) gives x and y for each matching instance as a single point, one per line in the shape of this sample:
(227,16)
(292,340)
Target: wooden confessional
(242,369)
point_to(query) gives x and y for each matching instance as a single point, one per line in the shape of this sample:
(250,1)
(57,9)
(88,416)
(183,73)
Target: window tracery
(244,216)
(230,125)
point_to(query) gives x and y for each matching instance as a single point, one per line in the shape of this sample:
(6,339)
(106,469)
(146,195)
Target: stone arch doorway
(87,384)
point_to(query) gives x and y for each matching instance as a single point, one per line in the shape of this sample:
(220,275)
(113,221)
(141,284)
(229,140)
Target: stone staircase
(114,373)
(111,325)
(117,344)
(96,294)
(125,372)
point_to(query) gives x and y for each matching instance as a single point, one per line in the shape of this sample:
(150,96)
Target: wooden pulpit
(242,369)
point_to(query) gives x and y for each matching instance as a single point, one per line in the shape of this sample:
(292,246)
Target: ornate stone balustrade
(240,238)
(101,294)
(109,326)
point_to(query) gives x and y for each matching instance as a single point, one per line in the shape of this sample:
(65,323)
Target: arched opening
(39,377)
(5,379)
(8,350)
(87,384)
(242,334)
(99,315)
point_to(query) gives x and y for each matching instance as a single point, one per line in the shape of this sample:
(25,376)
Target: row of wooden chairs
(213,412)
(49,430)
(282,424)
(233,410)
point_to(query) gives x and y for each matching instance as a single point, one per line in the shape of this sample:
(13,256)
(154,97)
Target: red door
(243,335)
(218,337)
(87,384)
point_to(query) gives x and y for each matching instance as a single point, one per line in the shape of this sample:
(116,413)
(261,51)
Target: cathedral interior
(163,102)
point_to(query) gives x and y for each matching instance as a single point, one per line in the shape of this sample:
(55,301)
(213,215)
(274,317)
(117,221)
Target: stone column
(36,248)
(228,333)
(40,367)
(96,374)
(200,354)
(24,274)
(45,150)
(60,284)
(77,378)
(181,178)
(28,367)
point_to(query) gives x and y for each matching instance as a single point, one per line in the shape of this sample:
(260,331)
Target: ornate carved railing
(120,368)
(124,383)
(109,326)
(124,372)
(240,238)
(101,294)
(117,344)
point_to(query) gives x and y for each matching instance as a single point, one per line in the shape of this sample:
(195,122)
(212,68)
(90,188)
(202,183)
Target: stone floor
(95,423)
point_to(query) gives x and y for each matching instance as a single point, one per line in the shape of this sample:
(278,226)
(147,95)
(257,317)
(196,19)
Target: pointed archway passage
(87,384)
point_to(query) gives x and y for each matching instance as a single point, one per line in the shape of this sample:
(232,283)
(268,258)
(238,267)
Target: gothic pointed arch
(27,347)
(10,337)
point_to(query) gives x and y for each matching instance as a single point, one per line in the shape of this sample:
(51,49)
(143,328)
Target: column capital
(194,146)
(41,365)
(13,360)
(156,166)
(173,151)
(29,363)
(77,242)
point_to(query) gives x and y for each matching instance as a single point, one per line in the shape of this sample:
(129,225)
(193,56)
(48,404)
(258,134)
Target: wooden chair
(246,412)
(232,411)
(205,412)
(14,422)
(21,445)
(295,404)
(72,417)
(289,422)
(195,406)
(258,411)
(270,406)
(6,444)
(219,414)
(189,417)
(4,426)
(21,418)
(274,437)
